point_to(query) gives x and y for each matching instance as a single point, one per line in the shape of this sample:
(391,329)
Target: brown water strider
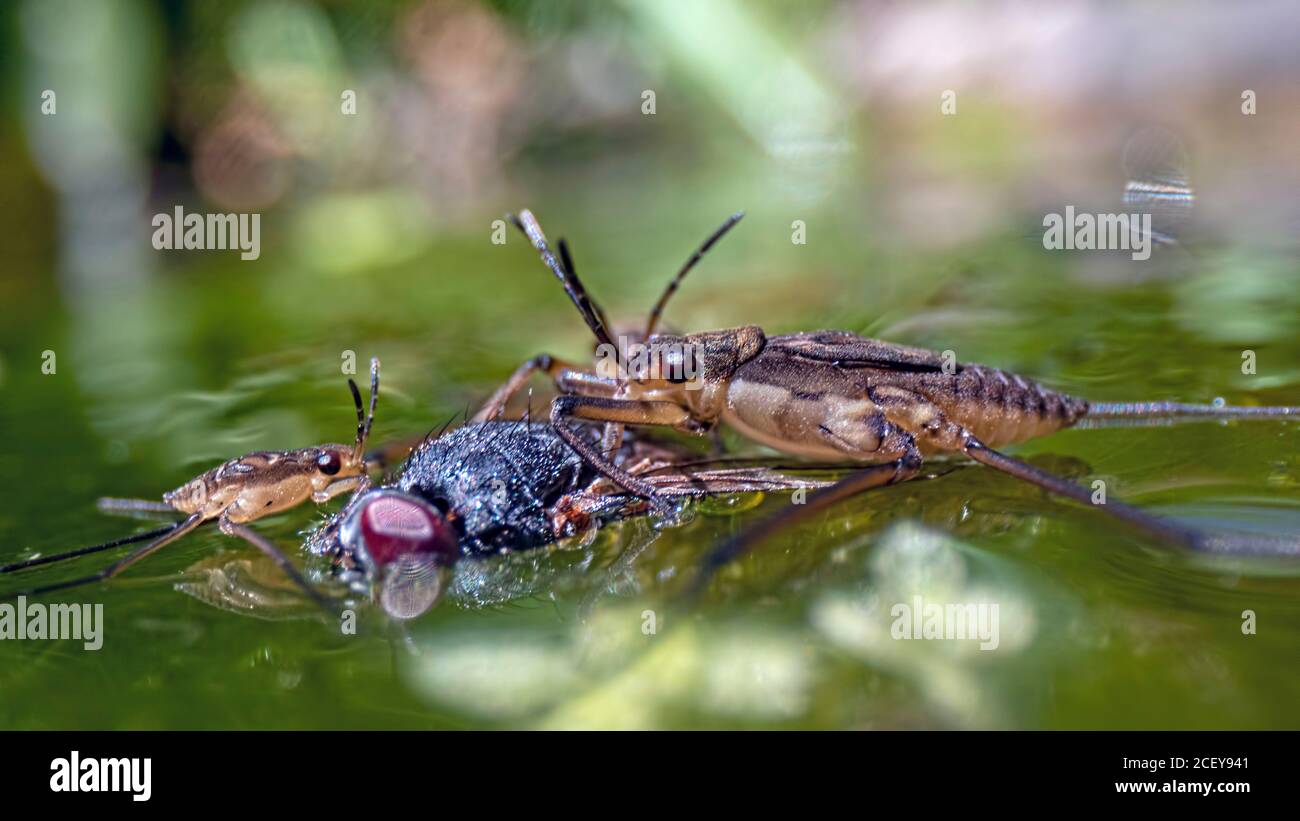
(830,395)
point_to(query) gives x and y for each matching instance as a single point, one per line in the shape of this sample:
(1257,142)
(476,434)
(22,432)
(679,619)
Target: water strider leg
(924,420)
(134,507)
(118,566)
(567,377)
(612,438)
(358,484)
(1102,415)
(1162,529)
(628,411)
(1180,410)
(257,540)
(1142,414)
(586,383)
(83,551)
(928,421)
(863,479)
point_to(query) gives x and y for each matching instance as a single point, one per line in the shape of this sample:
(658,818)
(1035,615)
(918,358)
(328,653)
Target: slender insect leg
(122,564)
(864,479)
(601,409)
(907,408)
(717,445)
(134,507)
(947,435)
(353,483)
(612,439)
(497,402)
(83,551)
(1179,410)
(627,411)
(256,540)
(1141,414)
(1161,528)
(586,383)
(558,370)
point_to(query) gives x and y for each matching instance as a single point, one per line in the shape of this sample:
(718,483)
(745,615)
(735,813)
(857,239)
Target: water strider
(832,395)
(236,492)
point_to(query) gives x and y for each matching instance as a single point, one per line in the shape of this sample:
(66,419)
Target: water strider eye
(675,368)
(329,463)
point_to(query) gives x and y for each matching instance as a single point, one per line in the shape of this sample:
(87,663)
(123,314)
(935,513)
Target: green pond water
(162,376)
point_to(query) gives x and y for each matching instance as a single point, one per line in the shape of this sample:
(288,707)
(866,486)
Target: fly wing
(847,350)
(746,479)
(706,477)
(411,585)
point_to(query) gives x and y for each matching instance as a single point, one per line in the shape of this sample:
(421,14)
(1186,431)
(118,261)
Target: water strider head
(693,358)
(265,482)
(337,462)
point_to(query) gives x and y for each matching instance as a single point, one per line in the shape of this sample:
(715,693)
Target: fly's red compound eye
(392,526)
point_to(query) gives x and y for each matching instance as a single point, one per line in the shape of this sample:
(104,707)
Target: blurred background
(895,161)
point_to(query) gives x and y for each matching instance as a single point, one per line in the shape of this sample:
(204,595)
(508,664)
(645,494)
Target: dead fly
(830,395)
(497,487)
(237,492)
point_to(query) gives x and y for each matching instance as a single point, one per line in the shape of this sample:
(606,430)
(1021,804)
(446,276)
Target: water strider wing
(847,350)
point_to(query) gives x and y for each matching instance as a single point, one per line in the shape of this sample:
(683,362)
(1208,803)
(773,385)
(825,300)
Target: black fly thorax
(497,482)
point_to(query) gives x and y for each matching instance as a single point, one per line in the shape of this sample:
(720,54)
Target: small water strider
(236,492)
(874,405)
